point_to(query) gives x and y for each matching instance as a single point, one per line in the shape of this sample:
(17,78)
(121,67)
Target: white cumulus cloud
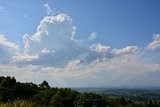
(155,43)
(100,48)
(45,51)
(125,51)
(53,43)
(7,50)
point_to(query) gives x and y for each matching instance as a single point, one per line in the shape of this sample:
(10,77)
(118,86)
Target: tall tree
(44,84)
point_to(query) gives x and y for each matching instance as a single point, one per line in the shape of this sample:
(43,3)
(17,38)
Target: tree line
(17,94)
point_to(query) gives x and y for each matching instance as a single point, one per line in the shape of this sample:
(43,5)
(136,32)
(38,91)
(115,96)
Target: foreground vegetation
(16,94)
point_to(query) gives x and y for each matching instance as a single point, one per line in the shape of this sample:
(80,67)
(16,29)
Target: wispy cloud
(92,36)
(2,10)
(48,9)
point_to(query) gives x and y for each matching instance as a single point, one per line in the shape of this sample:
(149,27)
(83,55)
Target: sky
(81,43)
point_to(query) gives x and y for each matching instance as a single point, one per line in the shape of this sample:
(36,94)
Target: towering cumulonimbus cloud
(52,44)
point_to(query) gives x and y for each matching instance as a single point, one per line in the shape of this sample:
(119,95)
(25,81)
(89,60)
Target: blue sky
(61,41)
(117,23)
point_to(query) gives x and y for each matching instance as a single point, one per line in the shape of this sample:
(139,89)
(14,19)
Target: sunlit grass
(21,103)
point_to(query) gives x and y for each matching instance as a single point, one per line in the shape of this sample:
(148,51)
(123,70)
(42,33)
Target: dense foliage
(16,94)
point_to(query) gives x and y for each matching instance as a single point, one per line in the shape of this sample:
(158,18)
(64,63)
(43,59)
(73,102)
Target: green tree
(7,81)
(44,84)
(44,96)
(22,91)
(64,98)
(90,99)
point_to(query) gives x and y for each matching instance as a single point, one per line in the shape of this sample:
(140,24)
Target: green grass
(21,103)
